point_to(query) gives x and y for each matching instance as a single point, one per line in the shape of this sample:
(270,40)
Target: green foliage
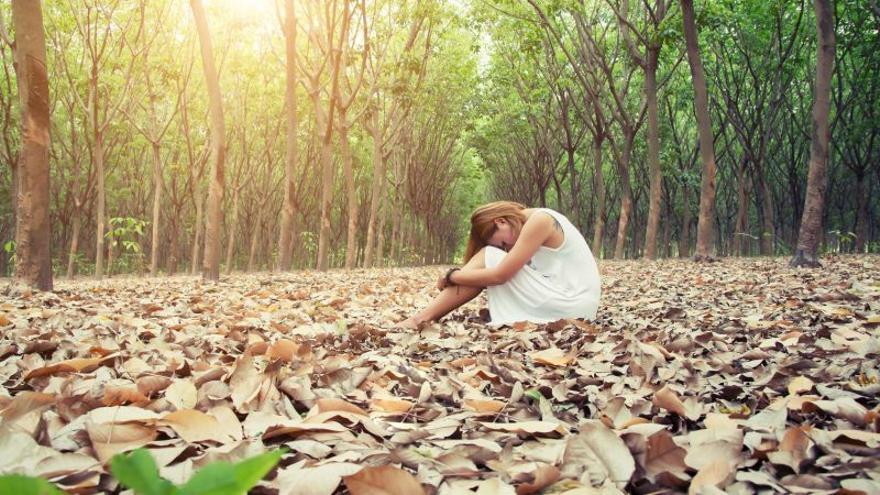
(137,471)
(126,232)
(26,485)
(9,249)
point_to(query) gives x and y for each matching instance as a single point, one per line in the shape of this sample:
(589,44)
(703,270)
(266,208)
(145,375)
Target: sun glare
(245,10)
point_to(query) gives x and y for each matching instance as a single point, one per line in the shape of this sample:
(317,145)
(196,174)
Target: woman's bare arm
(535,232)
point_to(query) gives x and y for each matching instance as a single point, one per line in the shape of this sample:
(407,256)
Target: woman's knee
(492,256)
(478,260)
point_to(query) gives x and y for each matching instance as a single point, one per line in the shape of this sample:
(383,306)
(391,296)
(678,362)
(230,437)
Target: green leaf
(223,478)
(138,471)
(25,485)
(534,394)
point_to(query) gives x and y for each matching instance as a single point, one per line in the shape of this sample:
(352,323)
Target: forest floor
(744,375)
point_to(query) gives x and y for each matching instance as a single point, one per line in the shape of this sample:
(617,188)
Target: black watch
(449,276)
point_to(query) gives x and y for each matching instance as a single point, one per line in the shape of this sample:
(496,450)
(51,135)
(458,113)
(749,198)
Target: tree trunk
(230,232)
(351,191)
(252,252)
(211,263)
(288,211)
(380,234)
(741,238)
(655,175)
(768,230)
(74,244)
(327,176)
(157,201)
(100,215)
(625,195)
(33,229)
(704,127)
(197,232)
(861,213)
(599,191)
(811,222)
(684,242)
(376,190)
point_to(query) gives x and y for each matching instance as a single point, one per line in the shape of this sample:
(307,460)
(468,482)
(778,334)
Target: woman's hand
(441,282)
(445,280)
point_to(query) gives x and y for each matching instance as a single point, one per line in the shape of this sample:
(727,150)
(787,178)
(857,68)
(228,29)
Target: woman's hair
(483,223)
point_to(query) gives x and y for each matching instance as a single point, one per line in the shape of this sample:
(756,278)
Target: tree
(648,61)
(704,127)
(807,251)
(33,230)
(100,107)
(288,210)
(211,260)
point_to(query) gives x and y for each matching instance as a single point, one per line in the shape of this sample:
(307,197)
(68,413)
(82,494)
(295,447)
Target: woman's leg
(450,298)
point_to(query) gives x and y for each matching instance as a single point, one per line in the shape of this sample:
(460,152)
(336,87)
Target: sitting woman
(533,262)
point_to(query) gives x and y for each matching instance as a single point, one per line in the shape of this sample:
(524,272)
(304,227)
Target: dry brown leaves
(744,376)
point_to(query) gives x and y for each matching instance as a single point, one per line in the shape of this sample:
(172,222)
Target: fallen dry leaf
(383,480)
(709,381)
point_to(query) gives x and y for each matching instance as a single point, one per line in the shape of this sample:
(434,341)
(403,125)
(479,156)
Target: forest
(221,222)
(360,134)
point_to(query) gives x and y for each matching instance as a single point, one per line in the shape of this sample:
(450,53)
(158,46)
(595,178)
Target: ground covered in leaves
(744,376)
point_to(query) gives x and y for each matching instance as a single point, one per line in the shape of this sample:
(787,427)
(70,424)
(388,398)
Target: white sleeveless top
(556,283)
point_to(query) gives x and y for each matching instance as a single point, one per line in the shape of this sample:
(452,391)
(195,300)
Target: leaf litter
(742,376)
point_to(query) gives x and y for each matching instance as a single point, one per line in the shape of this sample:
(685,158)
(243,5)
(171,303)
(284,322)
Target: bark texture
(810,233)
(704,127)
(33,230)
(211,260)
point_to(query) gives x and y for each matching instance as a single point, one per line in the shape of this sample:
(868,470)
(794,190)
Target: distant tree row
(246,135)
(592,107)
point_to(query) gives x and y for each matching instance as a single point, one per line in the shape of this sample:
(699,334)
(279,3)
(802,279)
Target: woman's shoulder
(549,211)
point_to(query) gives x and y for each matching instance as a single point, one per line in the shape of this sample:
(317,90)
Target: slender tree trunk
(666,249)
(768,234)
(655,175)
(33,232)
(351,191)
(288,211)
(211,263)
(625,195)
(197,232)
(327,176)
(861,213)
(252,252)
(380,236)
(157,202)
(376,190)
(230,232)
(684,242)
(704,127)
(741,239)
(110,258)
(807,253)
(395,231)
(100,215)
(74,244)
(599,190)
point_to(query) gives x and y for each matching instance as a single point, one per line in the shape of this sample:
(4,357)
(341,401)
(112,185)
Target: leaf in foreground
(25,485)
(223,478)
(138,471)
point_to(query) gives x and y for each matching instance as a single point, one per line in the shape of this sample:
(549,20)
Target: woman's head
(497,224)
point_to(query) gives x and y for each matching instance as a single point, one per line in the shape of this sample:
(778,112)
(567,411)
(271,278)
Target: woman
(533,262)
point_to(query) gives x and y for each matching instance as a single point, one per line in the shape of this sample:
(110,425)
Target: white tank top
(570,267)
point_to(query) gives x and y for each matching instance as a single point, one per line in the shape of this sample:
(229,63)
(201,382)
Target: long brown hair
(483,223)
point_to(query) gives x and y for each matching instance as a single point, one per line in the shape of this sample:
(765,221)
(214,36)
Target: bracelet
(449,276)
